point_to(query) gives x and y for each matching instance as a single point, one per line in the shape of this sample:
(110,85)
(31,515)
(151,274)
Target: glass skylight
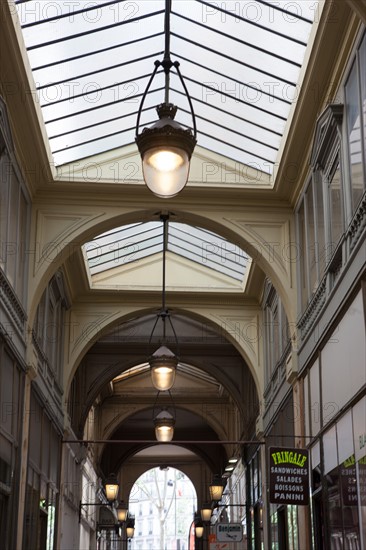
(131,243)
(240,60)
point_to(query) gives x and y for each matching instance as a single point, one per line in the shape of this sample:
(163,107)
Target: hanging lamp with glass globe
(166,147)
(164,424)
(163,362)
(163,366)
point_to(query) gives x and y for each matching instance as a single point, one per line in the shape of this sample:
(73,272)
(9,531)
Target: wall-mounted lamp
(216,488)
(206,512)
(199,530)
(166,148)
(130,528)
(111,488)
(122,512)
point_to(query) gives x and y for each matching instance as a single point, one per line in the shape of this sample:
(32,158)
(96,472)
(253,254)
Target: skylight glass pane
(207,249)
(299,9)
(80,119)
(251,112)
(249,51)
(58,105)
(248,94)
(123,246)
(259,37)
(235,79)
(127,62)
(221,116)
(130,243)
(228,135)
(94,148)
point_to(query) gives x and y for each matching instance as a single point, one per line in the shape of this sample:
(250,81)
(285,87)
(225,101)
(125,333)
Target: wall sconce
(122,512)
(199,530)
(166,148)
(111,488)
(206,512)
(130,528)
(216,488)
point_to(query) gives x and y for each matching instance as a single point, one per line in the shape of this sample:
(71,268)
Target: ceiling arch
(189,427)
(61,233)
(126,346)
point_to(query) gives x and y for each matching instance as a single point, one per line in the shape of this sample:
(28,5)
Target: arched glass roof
(241,62)
(130,243)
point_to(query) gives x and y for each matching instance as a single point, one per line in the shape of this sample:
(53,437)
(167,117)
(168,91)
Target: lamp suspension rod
(157,65)
(165,406)
(167,64)
(164,218)
(176,65)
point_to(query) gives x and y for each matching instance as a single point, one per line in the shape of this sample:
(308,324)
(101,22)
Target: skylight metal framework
(130,243)
(241,62)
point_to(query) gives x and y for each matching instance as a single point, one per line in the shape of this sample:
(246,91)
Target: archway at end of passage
(163,500)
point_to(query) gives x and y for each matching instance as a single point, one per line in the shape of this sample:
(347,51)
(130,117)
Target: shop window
(4,511)
(359,438)
(339,383)
(42,480)
(9,395)
(284,535)
(254,518)
(11,400)
(361,479)
(342,507)
(32,512)
(338,483)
